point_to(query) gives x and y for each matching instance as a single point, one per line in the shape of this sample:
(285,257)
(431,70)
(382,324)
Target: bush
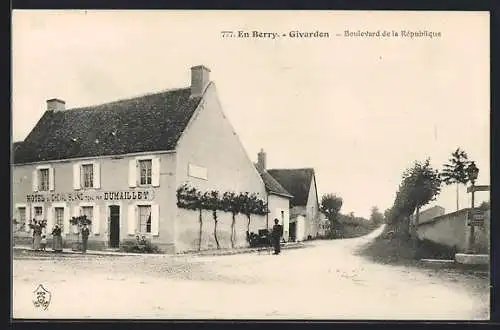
(256,240)
(139,245)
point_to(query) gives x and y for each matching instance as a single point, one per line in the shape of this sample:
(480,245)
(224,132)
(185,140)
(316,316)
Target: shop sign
(89,196)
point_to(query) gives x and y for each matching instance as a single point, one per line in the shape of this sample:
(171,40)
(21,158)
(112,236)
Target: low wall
(451,230)
(187,230)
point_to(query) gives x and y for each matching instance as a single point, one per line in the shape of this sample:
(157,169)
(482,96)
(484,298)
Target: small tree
(422,185)
(232,203)
(330,206)
(251,204)
(213,203)
(376,216)
(485,206)
(455,171)
(80,221)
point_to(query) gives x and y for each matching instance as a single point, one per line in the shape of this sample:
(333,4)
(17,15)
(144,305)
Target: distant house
(120,164)
(429,214)
(277,198)
(304,206)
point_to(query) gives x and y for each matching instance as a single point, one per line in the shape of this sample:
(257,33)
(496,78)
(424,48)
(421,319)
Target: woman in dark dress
(57,245)
(37,235)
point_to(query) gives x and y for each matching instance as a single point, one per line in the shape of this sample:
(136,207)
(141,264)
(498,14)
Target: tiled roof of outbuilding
(296,181)
(271,184)
(152,122)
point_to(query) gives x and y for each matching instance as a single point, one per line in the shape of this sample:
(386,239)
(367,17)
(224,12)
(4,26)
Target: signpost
(477,188)
(476,217)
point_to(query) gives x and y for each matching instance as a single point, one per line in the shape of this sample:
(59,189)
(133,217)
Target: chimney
(261,159)
(200,77)
(56,105)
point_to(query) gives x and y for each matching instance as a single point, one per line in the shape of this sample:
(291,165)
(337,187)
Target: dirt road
(325,281)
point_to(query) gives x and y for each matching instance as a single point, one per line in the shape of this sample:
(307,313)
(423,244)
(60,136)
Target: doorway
(292,231)
(114,226)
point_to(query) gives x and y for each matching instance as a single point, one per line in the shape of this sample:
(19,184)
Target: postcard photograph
(203,164)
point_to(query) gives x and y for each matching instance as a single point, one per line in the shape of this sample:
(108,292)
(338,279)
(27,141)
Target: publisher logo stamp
(41,297)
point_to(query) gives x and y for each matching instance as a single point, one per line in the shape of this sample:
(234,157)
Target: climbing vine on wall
(245,203)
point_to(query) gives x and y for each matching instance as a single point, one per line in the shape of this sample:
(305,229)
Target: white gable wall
(211,156)
(312,209)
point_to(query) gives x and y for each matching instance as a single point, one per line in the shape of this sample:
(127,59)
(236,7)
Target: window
(89,212)
(88,175)
(43,179)
(59,216)
(145,167)
(22,214)
(22,217)
(38,212)
(145,218)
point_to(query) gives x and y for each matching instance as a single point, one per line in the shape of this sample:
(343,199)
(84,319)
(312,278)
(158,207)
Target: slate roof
(296,181)
(152,122)
(271,184)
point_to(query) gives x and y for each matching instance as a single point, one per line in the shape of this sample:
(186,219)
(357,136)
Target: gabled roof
(296,181)
(152,122)
(272,186)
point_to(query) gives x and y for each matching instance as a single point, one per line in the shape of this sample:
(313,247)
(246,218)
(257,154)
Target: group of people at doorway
(39,240)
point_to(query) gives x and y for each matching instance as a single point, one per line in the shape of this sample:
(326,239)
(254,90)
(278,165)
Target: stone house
(120,163)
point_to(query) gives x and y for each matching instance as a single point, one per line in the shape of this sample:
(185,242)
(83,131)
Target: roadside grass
(399,251)
(353,230)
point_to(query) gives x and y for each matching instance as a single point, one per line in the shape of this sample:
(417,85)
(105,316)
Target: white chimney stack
(200,77)
(56,105)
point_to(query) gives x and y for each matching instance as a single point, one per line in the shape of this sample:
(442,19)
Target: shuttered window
(144,171)
(144,218)
(43,179)
(88,175)
(145,167)
(38,212)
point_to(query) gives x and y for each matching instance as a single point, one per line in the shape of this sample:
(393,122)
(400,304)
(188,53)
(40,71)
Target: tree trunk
(201,229)
(232,230)
(215,229)
(415,232)
(248,225)
(458,207)
(405,226)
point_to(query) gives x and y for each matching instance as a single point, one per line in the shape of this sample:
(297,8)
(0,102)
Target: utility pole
(470,245)
(472,172)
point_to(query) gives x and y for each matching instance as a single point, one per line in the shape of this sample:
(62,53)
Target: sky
(359,110)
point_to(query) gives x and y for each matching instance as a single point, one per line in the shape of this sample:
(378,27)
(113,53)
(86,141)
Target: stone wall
(452,230)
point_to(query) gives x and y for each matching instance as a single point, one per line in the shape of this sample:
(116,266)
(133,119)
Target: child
(43,242)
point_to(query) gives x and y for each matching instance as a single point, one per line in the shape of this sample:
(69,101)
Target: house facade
(120,164)
(299,187)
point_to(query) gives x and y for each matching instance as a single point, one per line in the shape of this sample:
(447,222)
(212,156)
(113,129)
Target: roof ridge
(128,98)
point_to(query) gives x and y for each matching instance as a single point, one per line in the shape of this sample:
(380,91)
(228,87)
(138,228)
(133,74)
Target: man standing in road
(85,237)
(276,236)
